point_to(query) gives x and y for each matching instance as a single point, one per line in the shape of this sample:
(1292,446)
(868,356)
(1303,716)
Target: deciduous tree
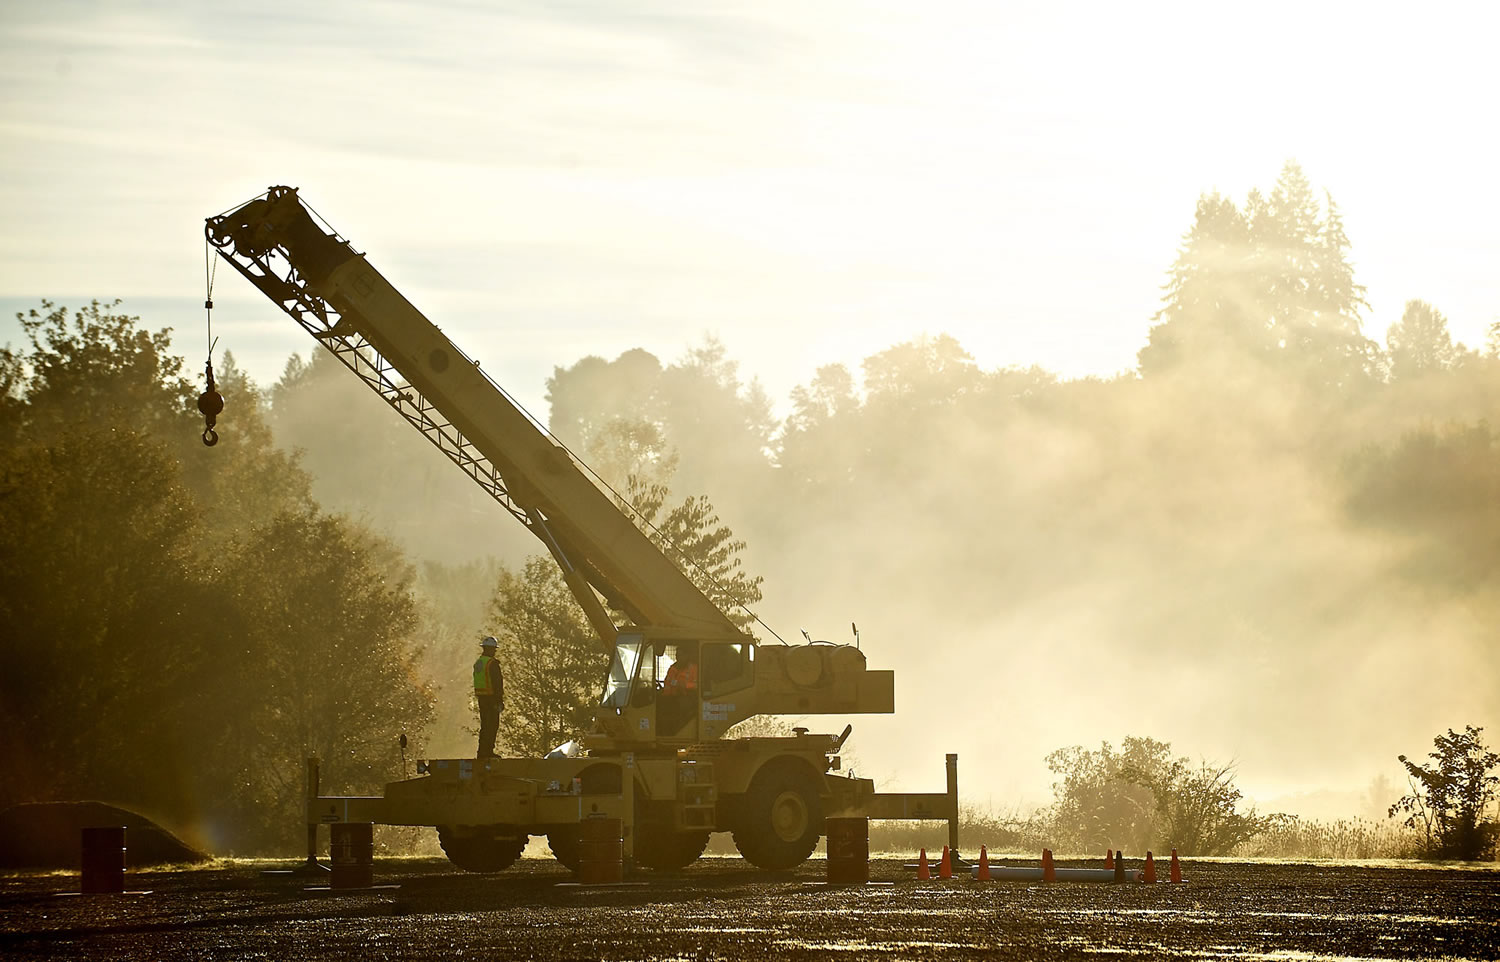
(318,659)
(1451,799)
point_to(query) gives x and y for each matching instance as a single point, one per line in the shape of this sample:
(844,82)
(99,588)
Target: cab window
(727,668)
(622,668)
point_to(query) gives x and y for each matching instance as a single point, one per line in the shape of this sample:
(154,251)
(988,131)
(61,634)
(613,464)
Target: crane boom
(333,292)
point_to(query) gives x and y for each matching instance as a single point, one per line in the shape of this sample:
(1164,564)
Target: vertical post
(312,826)
(104,859)
(627,804)
(848,850)
(953,805)
(351,855)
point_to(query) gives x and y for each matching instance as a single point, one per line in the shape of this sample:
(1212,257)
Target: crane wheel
(667,851)
(564,845)
(487,849)
(782,817)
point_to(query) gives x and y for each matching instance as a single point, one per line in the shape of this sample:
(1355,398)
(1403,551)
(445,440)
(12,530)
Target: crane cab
(646,701)
(663,689)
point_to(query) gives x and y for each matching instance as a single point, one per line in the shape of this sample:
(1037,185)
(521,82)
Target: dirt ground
(724,909)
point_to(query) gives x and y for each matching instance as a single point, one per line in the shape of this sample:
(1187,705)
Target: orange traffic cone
(922,873)
(945,867)
(1176,869)
(1150,874)
(1049,872)
(1109,858)
(984,865)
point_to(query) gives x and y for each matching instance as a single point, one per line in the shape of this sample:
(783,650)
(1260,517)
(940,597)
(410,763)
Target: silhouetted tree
(1140,797)
(1197,807)
(1271,284)
(822,441)
(625,452)
(1095,805)
(1419,344)
(101,629)
(553,662)
(1450,800)
(97,368)
(593,392)
(180,625)
(696,408)
(1213,305)
(319,660)
(705,549)
(926,371)
(246,478)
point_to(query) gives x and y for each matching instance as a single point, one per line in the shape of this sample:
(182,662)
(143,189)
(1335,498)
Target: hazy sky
(810,182)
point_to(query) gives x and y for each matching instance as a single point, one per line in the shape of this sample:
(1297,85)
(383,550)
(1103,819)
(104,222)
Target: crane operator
(678,689)
(489,691)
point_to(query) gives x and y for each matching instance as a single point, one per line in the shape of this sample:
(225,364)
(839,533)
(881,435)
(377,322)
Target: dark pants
(489,724)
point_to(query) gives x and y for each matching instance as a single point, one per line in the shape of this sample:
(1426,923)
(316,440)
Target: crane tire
(667,851)
(493,850)
(782,817)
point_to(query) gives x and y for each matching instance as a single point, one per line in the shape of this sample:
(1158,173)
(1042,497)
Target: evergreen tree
(1212,308)
(820,444)
(1272,284)
(1419,344)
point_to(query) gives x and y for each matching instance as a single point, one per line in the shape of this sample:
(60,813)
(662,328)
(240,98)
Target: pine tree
(1419,343)
(1270,285)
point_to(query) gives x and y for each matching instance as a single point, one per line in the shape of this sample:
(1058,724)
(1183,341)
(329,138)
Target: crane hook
(210,405)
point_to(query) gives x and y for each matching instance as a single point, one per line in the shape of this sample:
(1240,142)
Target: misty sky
(808,182)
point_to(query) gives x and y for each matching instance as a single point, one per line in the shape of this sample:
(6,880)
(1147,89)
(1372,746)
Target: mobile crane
(659,763)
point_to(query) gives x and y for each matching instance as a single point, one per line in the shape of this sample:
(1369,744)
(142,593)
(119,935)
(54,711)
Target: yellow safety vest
(482,684)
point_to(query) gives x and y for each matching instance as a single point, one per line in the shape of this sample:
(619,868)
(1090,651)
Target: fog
(1278,553)
(1185,573)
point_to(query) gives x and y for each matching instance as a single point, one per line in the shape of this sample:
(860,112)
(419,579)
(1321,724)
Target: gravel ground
(724,909)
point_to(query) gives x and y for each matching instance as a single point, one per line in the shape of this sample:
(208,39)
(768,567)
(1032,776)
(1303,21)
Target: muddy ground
(724,909)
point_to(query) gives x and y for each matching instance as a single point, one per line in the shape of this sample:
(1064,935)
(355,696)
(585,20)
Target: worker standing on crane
(489,691)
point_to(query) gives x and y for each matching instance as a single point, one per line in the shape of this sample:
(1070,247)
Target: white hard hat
(489,642)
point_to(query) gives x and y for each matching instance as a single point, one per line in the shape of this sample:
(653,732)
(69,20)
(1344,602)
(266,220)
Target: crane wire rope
(210,270)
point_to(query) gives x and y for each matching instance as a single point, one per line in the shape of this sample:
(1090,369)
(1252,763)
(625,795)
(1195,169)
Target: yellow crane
(660,764)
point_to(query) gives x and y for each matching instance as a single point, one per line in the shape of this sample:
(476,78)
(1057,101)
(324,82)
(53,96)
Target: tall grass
(1345,838)
(998,831)
(1015,832)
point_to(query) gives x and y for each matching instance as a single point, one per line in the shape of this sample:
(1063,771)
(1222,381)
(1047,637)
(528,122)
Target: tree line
(181,632)
(1269,493)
